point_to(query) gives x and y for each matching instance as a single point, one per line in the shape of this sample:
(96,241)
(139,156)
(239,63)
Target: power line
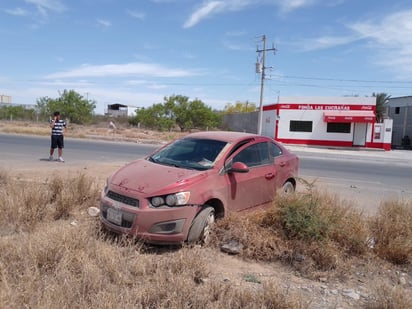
(344,80)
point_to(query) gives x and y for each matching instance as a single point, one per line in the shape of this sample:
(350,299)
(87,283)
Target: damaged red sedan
(175,194)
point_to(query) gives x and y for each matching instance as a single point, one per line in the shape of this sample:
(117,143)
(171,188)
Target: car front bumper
(165,225)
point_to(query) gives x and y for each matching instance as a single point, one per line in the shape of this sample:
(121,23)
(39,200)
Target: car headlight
(157,201)
(176,199)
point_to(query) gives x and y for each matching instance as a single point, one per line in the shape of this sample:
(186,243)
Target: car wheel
(200,229)
(288,188)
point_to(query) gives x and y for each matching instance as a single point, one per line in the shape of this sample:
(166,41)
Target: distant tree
(382,100)
(177,110)
(240,107)
(203,117)
(191,114)
(70,104)
(180,108)
(155,117)
(12,112)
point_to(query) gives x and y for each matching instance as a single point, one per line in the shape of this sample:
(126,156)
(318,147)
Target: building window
(397,110)
(338,127)
(300,126)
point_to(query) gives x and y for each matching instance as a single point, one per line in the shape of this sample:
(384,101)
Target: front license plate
(114,216)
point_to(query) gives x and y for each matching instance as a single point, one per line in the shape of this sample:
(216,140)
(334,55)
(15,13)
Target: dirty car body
(174,194)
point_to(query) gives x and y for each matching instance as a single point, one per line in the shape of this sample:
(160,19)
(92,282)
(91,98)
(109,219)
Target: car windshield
(191,153)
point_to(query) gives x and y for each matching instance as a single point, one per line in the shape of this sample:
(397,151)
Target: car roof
(226,136)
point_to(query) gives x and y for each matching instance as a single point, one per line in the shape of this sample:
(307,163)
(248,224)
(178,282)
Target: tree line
(176,111)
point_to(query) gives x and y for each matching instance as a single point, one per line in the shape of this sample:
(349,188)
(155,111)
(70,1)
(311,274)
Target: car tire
(200,229)
(288,188)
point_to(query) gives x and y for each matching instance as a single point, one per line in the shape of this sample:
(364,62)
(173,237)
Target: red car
(175,194)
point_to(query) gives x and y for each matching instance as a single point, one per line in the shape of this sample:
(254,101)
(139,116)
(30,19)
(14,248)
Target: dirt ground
(353,289)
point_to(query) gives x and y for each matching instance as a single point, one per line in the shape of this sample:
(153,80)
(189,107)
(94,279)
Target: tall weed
(392,232)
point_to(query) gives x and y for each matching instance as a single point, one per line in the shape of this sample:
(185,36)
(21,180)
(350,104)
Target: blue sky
(137,52)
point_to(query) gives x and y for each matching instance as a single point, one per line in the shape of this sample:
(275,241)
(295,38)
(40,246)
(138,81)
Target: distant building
(120,110)
(116,110)
(327,121)
(400,110)
(5,99)
(319,121)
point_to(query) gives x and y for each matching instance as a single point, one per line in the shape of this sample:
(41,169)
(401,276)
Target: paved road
(365,177)
(33,148)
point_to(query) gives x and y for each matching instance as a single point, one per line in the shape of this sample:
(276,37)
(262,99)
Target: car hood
(152,178)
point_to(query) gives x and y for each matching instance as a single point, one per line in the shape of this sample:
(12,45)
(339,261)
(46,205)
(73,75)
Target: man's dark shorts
(57,141)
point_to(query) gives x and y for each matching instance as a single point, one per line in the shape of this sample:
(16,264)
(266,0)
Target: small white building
(327,121)
(120,110)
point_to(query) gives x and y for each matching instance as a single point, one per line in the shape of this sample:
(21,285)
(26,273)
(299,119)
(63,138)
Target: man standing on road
(58,127)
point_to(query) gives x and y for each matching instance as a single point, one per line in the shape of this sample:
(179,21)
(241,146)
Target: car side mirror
(238,167)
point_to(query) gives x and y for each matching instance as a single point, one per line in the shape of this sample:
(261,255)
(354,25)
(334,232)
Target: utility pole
(262,81)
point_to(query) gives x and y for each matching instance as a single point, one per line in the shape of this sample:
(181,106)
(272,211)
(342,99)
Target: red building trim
(324,107)
(332,143)
(349,116)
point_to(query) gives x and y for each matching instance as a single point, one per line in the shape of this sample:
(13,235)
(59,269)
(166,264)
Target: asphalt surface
(365,176)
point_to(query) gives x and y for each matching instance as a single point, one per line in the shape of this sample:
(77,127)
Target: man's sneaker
(61,159)
(51,158)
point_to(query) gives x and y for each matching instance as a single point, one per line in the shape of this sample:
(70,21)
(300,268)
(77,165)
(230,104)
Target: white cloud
(17,12)
(213,7)
(290,5)
(391,38)
(104,23)
(129,69)
(325,42)
(203,12)
(136,14)
(43,6)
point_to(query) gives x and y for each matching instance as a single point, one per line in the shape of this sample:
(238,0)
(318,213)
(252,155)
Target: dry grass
(22,127)
(320,235)
(388,297)
(102,130)
(54,256)
(392,231)
(318,228)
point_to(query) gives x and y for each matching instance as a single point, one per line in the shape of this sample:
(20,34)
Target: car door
(281,164)
(255,187)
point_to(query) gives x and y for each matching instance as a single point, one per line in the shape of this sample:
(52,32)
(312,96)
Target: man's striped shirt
(58,127)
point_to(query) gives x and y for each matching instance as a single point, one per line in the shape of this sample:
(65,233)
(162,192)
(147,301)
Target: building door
(268,123)
(359,133)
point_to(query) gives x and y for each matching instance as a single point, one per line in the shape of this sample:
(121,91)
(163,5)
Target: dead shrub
(387,297)
(392,232)
(319,216)
(4,177)
(313,232)
(23,205)
(258,243)
(26,205)
(68,194)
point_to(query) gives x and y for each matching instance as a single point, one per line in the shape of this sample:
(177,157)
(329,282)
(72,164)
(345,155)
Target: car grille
(123,199)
